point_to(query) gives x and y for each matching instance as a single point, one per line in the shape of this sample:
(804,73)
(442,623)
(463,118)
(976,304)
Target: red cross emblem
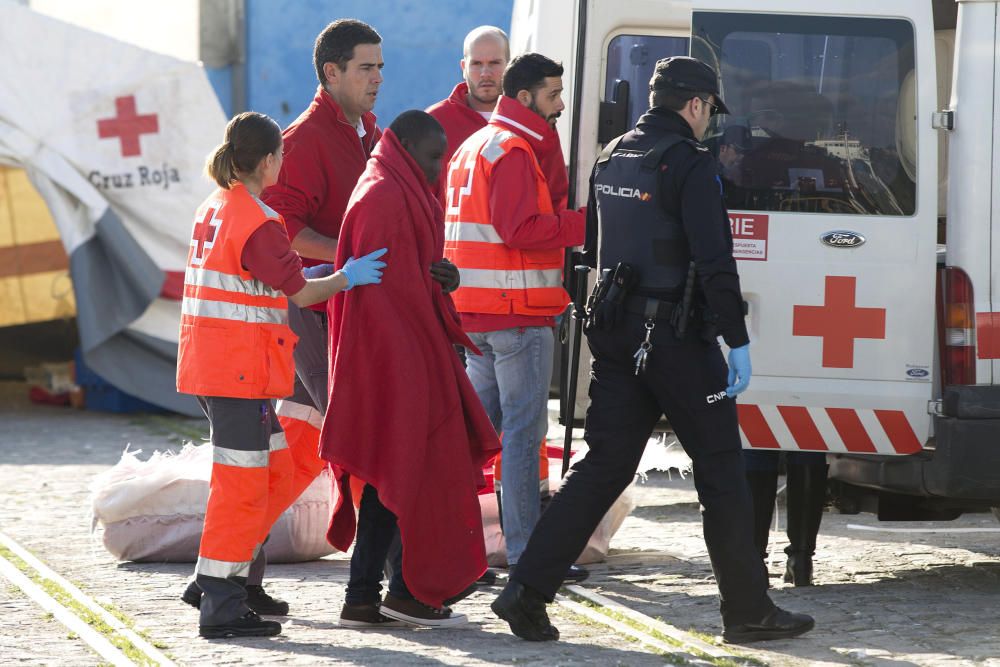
(204,236)
(460,180)
(127,125)
(838,322)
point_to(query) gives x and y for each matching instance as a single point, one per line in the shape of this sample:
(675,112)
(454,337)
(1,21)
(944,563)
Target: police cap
(686,74)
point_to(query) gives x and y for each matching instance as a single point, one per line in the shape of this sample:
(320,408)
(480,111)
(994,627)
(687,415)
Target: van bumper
(961,463)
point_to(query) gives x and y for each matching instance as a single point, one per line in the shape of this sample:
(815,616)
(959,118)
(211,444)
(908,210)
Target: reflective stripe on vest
(505,280)
(496,278)
(471,231)
(202,277)
(226,310)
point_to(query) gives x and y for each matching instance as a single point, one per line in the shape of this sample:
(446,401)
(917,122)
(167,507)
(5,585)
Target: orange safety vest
(234,339)
(496,278)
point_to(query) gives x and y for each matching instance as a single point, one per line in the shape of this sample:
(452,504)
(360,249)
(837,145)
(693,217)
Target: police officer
(656,217)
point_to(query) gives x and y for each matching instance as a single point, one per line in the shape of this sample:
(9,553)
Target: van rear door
(829,165)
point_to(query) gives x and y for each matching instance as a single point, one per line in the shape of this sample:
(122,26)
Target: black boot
(777,624)
(806,499)
(524,610)
(763,485)
(257,599)
(248,625)
(262,603)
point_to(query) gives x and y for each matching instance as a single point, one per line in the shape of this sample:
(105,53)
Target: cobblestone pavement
(47,458)
(884,598)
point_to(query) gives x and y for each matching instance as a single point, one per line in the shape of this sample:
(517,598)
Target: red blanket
(403,416)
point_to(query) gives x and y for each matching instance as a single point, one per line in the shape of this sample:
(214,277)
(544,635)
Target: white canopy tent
(114,138)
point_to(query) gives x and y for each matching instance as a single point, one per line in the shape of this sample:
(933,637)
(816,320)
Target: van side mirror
(612,120)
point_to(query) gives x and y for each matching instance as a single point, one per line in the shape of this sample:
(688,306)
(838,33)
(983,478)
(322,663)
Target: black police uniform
(660,220)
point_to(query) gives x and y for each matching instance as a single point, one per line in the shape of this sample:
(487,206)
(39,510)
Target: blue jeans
(512,380)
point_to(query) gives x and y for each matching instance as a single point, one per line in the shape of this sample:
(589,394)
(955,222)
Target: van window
(632,58)
(822,112)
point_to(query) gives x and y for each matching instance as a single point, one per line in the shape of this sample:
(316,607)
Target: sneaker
(415,612)
(777,624)
(264,604)
(248,625)
(257,599)
(366,616)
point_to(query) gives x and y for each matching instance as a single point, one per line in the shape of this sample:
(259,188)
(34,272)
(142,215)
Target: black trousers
(685,380)
(377,539)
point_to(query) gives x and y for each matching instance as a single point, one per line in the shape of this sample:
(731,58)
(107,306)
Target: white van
(871,342)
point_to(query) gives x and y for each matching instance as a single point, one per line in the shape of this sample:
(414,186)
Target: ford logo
(842,239)
(917,373)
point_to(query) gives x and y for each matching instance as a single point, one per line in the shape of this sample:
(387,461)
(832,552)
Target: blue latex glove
(318,271)
(739,370)
(364,270)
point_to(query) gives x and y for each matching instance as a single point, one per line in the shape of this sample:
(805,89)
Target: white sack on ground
(665,454)
(154,510)
(598,544)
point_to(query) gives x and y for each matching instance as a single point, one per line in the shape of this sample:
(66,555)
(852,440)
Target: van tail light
(957,327)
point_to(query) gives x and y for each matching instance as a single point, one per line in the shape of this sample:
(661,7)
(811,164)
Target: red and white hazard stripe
(795,427)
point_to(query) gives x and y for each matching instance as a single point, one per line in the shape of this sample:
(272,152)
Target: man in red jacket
(325,152)
(326,149)
(506,232)
(485,54)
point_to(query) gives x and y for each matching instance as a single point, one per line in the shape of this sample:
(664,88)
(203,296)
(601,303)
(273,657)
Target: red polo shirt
(324,157)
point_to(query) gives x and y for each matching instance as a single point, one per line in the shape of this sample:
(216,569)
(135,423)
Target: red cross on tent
(128,125)
(838,322)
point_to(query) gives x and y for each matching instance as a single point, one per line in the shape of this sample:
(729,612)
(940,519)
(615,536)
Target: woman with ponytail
(235,356)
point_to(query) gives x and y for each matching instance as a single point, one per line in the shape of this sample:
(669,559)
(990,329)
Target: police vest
(496,278)
(234,338)
(632,224)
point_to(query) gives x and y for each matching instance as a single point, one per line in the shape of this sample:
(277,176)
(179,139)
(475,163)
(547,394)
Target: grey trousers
(312,364)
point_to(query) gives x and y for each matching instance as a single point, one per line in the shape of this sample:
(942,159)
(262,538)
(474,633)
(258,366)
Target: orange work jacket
(234,338)
(496,278)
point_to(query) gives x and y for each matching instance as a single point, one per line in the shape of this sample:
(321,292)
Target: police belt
(649,307)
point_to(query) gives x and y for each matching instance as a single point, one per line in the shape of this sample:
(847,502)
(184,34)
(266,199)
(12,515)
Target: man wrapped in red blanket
(403,416)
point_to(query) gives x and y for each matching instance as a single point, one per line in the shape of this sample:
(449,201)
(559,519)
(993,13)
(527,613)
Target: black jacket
(691,191)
